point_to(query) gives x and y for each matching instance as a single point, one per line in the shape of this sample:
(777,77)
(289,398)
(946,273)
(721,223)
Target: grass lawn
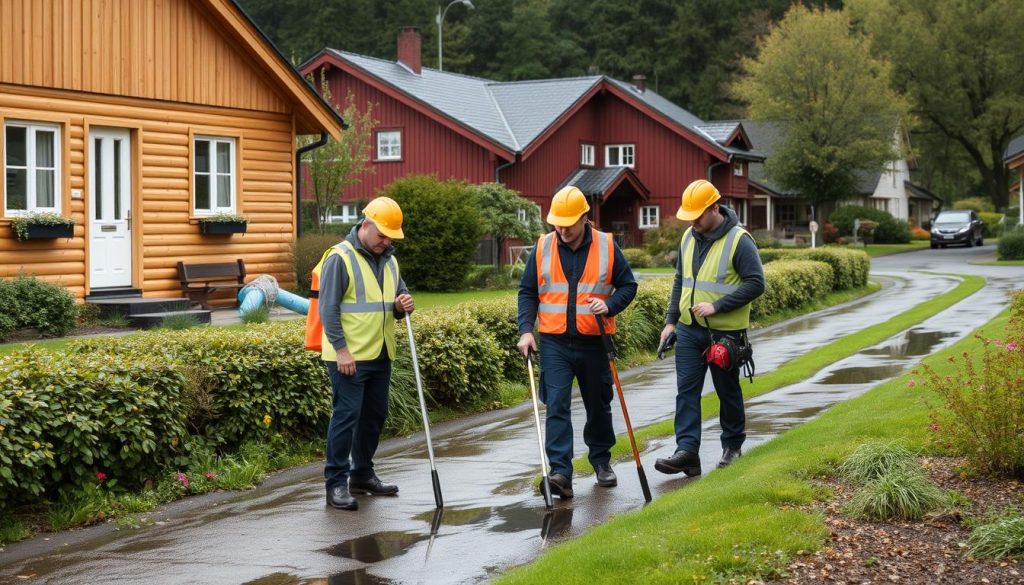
(429,300)
(1001,263)
(874,250)
(744,523)
(803,367)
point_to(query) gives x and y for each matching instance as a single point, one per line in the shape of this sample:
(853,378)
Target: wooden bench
(199,280)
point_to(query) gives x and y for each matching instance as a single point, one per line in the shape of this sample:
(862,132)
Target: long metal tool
(609,346)
(426,420)
(545,482)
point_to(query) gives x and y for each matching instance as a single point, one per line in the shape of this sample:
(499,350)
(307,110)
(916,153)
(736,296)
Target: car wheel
(934,245)
(981,241)
(970,242)
(943,245)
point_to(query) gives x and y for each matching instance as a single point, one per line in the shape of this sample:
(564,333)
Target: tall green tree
(960,63)
(339,164)
(505,215)
(819,79)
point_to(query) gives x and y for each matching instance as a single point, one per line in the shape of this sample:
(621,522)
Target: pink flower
(911,383)
(182,479)
(100,476)
(210,475)
(1011,346)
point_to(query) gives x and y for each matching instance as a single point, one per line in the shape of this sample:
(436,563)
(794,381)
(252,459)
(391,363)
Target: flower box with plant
(223,224)
(42,225)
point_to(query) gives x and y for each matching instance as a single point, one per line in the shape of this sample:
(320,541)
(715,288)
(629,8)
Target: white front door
(110,211)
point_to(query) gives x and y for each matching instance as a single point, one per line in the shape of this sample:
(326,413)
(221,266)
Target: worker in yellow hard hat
(718,276)
(574,274)
(361,296)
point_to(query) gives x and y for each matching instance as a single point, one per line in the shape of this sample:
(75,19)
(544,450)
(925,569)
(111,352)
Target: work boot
(728,456)
(682,461)
(372,486)
(561,486)
(338,497)
(605,475)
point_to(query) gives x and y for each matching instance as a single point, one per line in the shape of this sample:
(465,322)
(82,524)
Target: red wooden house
(629,149)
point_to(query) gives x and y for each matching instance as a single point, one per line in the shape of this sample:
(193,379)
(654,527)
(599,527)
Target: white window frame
(31,169)
(587,152)
(737,169)
(211,175)
(389,149)
(349,213)
(626,155)
(650,220)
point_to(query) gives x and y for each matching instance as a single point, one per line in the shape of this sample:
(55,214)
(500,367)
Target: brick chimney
(640,82)
(409,48)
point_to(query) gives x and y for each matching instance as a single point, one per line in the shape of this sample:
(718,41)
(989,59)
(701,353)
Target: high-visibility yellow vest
(367,311)
(594,283)
(715,279)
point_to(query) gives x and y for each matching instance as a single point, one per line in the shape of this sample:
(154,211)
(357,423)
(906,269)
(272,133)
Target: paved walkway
(281,533)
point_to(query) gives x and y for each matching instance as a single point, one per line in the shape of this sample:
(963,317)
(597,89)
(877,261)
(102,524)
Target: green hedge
(889,231)
(850,267)
(1011,246)
(790,284)
(28,302)
(993,223)
(637,257)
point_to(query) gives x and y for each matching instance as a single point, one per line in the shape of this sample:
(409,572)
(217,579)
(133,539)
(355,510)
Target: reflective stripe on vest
(594,283)
(715,279)
(367,311)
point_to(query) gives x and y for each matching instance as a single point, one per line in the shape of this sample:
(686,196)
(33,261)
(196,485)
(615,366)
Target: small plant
(871,461)
(12,530)
(904,494)
(1002,537)
(21,223)
(260,314)
(115,320)
(224,218)
(178,322)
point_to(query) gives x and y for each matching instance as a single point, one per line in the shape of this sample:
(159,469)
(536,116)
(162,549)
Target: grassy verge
(1000,263)
(875,250)
(744,523)
(803,367)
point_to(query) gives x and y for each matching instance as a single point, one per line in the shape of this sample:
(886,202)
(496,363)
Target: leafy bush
(830,233)
(439,219)
(919,234)
(850,267)
(1011,246)
(791,284)
(889,230)
(490,277)
(306,252)
(993,222)
(639,326)
(1001,537)
(460,360)
(983,414)
(499,317)
(28,302)
(665,238)
(765,240)
(903,494)
(637,257)
(976,203)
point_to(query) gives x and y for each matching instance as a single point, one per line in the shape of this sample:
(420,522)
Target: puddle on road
(374,548)
(913,343)
(143,545)
(863,375)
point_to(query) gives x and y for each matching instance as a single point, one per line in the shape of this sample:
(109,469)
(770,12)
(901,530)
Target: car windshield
(954,217)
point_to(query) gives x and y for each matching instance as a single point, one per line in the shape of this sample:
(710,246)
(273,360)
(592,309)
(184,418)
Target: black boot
(728,456)
(561,486)
(372,486)
(338,497)
(605,475)
(682,461)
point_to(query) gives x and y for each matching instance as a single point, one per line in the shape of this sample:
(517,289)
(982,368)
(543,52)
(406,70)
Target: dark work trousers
(691,368)
(360,407)
(560,362)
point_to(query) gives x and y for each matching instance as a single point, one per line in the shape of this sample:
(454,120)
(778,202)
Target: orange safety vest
(594,283)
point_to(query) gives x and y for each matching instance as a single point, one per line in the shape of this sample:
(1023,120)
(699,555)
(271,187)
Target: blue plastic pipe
(251,298)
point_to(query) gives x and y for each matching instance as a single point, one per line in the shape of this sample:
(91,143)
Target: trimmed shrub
(499,317)
(919,234)
(1011,246)
(790,284)
(638,327)
(460,359)
(306,252)
(441,221)
(978,204)
(666,237)
(850,267)
(28,302)
(993,223)
(637,257)
(889,231)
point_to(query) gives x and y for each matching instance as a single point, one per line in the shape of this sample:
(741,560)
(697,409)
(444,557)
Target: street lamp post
(440,19)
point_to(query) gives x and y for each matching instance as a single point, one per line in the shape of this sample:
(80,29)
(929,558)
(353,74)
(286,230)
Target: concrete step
(130,306)
(150,320)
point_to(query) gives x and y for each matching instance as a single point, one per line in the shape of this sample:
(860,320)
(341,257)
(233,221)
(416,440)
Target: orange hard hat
(385,213)
(698,196)
(567,207)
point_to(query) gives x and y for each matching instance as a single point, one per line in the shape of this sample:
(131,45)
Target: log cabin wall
(167,73)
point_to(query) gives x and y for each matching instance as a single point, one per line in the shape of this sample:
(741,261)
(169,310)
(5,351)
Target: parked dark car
(958,226)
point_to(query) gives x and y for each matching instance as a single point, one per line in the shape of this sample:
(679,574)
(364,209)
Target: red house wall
(428,147)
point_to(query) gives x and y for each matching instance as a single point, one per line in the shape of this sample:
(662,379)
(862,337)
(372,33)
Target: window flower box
(223,224)
(42,226)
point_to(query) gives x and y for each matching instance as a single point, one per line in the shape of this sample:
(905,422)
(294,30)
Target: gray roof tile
(1015,148)
(594,181)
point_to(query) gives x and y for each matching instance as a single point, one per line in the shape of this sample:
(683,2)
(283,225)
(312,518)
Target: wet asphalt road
(282,534)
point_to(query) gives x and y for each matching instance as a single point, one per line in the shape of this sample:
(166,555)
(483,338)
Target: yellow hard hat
(698,196)
(567,207)
(387,216)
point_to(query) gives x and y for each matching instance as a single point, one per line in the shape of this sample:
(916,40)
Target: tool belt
(730,355)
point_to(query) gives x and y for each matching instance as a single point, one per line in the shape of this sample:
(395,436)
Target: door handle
(129,219)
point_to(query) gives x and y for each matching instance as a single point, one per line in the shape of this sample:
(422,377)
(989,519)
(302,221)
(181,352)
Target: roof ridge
(501,115)
(535,81)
